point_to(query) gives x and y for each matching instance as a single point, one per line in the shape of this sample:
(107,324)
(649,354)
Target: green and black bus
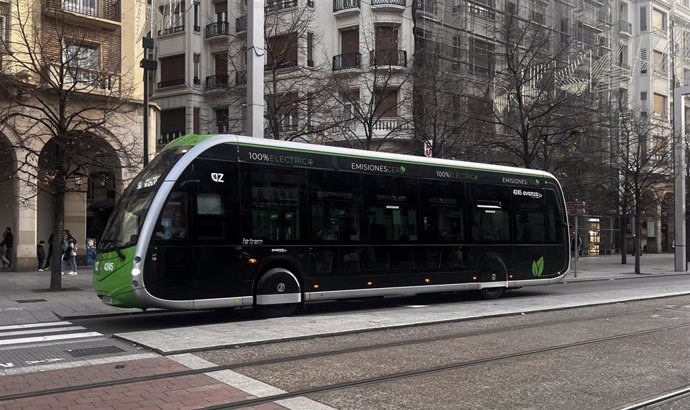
(220,221)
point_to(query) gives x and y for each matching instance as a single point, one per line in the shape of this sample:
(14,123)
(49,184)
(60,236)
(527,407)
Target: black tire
(274,283)
(492,270)
(269,311)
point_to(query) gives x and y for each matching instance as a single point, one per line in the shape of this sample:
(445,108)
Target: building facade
(401,74)
(88,51)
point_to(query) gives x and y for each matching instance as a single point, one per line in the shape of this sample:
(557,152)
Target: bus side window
(391,204)
(272,201)
(336,202)
(173,221)
(554,233)
(528,212)
(490,213)
(443,217)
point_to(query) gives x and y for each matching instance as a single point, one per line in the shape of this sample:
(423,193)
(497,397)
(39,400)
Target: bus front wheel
(278,293)
(493,270)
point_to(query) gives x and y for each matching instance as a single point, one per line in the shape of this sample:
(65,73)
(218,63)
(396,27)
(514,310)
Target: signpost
(575,208)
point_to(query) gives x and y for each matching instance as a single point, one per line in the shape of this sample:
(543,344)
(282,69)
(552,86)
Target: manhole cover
(30,300)
(94,351)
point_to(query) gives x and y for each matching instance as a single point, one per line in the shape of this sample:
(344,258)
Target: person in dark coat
(50,253)
(41,255)
(8,243)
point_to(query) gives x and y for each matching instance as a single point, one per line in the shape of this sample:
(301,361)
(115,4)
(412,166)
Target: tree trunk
(622,224)
(638,239)
(58,227)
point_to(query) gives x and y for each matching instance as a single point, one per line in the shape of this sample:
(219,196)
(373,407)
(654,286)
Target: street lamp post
(679,93)
(148,64)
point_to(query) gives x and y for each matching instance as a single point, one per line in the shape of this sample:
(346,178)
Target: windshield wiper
(110,246)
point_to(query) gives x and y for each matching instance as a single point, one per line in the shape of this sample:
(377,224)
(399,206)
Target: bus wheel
(493,270)
(278,293)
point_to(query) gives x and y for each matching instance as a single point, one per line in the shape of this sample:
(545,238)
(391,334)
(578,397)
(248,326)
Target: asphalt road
(109,325)
(600,357)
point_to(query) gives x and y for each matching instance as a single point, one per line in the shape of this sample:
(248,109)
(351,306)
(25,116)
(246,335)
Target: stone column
(25,230)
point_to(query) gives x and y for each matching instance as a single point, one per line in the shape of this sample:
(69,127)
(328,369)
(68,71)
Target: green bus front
(112,279)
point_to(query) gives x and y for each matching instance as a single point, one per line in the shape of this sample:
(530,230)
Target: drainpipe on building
(255,69)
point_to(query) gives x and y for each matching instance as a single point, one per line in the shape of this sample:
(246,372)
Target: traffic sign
(575,207)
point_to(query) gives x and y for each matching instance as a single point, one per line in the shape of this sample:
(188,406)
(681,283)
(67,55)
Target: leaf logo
(538,267)
(402,169)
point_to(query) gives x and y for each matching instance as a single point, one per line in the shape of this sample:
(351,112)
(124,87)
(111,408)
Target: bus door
(335,201)
(195,243)
(392,235)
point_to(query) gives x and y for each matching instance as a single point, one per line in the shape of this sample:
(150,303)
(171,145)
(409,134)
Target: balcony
(217,82)
(280,5)
(90,81)
(388,58)
(625,27)
(426,8)
(345,7)
(347,61)
(171,30)
(166,137)
(390,5)
(171,83)
(241,24)
(488,13)
(217,29)
(101,14)
(280,64)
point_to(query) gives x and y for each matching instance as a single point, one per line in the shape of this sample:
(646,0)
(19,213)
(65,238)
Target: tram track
(666,397)
(372,380)
(436,369)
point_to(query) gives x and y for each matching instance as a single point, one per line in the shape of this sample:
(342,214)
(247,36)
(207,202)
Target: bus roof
(194,139)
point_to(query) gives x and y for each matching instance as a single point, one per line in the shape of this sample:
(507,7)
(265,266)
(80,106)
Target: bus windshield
(129,214)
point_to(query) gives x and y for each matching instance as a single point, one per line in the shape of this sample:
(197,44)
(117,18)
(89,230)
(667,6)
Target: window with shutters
(658,19)
(660,102)
(386,103)
(172,70)
(282,51)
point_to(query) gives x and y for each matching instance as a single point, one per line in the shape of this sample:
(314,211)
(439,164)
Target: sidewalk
(25,298)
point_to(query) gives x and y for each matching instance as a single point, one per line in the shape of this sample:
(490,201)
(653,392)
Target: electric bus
(219,221)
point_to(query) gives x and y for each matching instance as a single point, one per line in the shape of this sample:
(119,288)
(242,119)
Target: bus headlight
(136,272)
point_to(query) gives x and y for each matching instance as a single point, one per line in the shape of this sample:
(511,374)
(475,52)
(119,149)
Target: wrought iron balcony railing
(340,5)
(347,61)
(388,58)
(219,28)
(216,82)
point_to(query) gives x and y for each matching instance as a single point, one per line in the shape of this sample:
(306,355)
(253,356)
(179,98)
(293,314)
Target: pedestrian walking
(41,255)
(50,253)
(69,252)
(575,243)
(8,243)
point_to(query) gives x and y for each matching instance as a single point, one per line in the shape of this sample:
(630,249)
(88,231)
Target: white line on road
(49,338)
(38,331)
(34,325)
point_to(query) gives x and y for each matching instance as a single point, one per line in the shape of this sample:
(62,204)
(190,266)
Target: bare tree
(293,90)
(372,95)
(63,97)
(540,95)
(643,158)
(440,93)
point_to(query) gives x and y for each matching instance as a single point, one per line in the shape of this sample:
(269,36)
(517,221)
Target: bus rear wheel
(278,293)
(493,270)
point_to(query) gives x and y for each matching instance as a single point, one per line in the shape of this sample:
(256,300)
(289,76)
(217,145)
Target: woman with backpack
(69,252)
